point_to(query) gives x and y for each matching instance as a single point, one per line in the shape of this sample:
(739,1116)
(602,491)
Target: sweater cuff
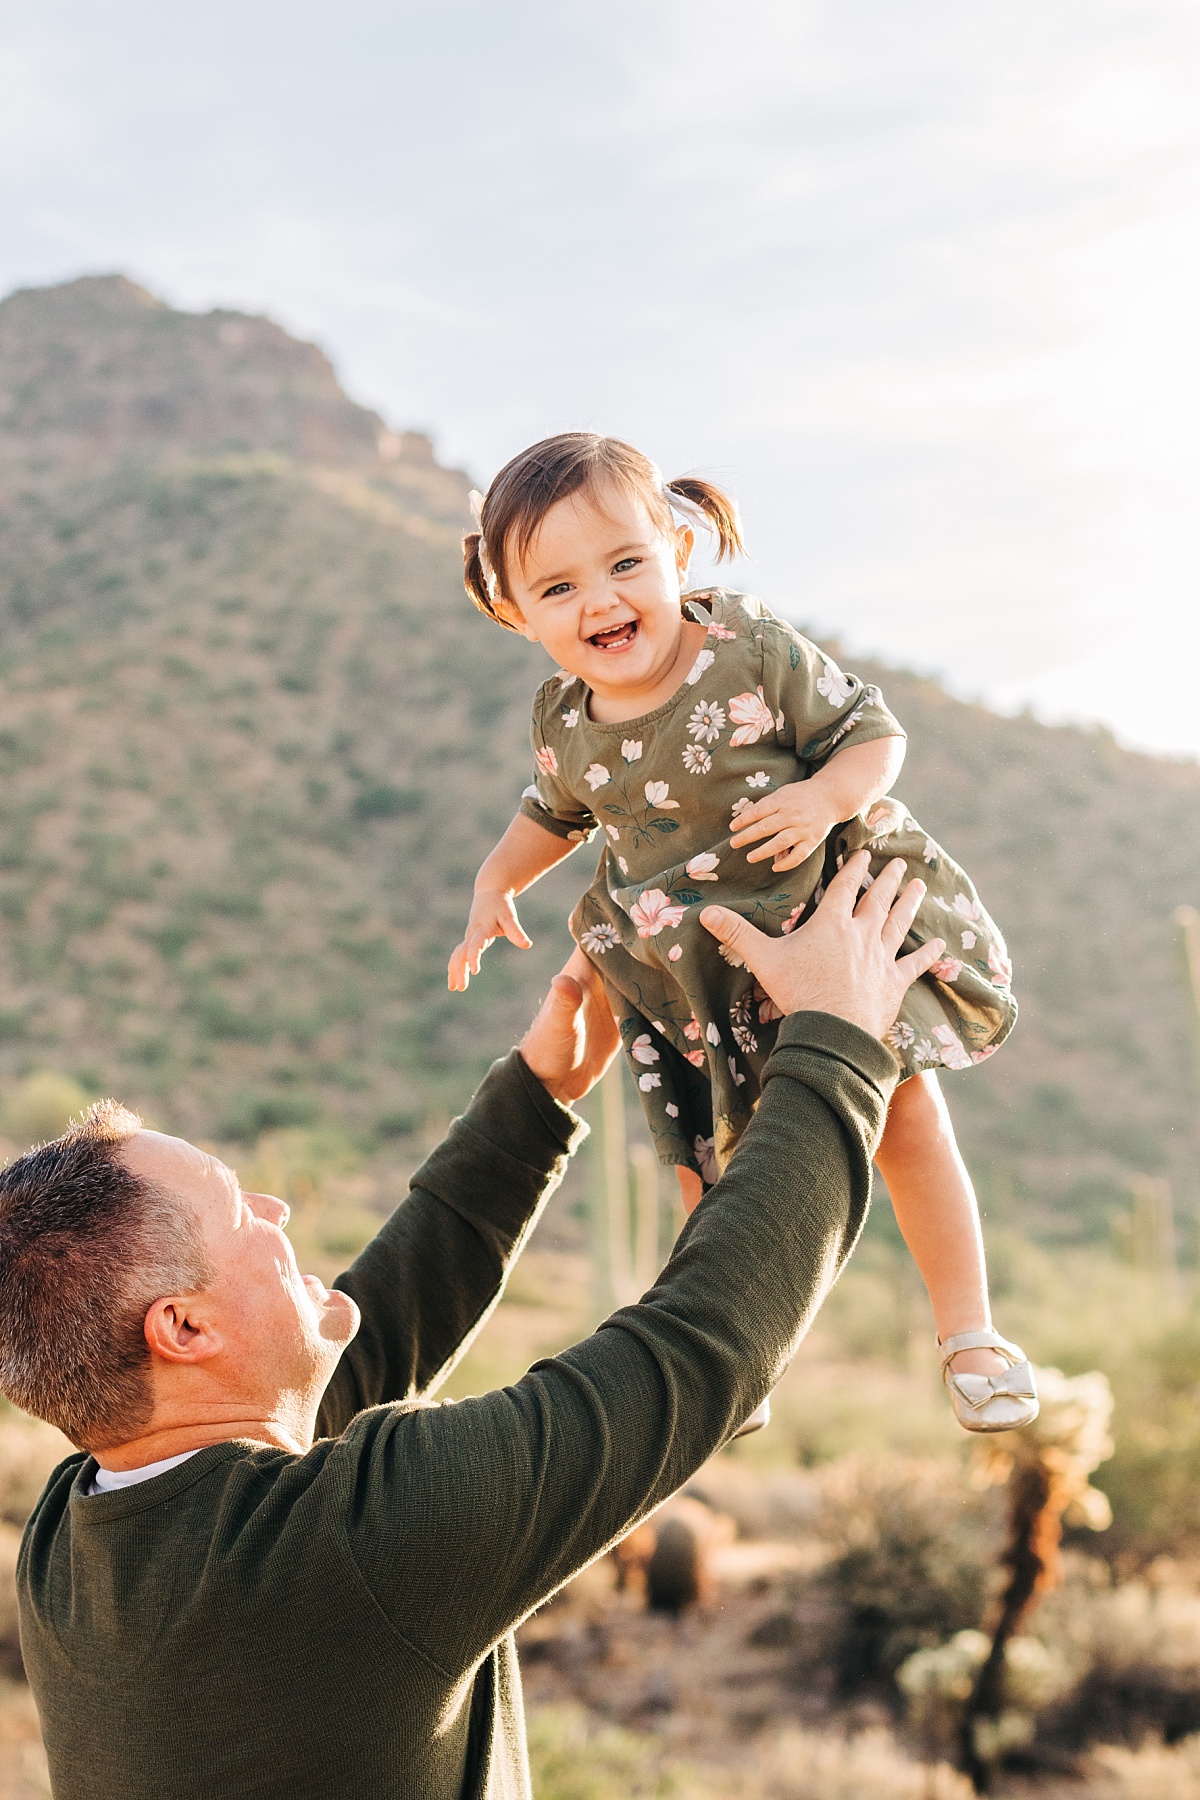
(829,1035)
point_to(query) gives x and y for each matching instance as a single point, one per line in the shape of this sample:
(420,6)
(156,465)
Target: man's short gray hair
(86,1247)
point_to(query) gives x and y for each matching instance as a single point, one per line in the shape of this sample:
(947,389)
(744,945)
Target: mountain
(254,743)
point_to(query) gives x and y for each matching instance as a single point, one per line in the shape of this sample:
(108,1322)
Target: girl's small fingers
(783,840)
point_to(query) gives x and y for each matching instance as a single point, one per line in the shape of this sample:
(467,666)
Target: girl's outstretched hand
(493,915)
(845,959)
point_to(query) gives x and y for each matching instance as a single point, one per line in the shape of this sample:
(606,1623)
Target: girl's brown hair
(528,486)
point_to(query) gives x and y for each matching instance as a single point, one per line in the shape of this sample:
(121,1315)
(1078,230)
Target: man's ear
(178,1330)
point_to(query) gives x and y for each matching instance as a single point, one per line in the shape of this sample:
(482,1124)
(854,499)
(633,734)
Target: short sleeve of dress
(548,801)
(817,708)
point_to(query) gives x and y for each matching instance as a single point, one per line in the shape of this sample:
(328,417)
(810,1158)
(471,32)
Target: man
(214,1603)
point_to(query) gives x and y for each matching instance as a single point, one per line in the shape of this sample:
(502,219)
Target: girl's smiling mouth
(616,637)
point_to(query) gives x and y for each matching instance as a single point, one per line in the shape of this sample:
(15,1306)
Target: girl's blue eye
(559,588)
(626,562)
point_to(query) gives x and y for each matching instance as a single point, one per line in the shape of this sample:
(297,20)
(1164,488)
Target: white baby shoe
(989,1402)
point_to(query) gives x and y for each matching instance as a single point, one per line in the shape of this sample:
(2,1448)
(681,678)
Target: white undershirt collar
(107,1481)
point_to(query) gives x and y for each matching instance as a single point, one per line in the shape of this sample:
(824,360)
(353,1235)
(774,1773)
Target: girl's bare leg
(936,1211)
(691,1188)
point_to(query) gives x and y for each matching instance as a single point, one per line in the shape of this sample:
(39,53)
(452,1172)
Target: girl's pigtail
(478,580)
(719,511)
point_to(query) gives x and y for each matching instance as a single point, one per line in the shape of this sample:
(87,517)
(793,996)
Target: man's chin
(340,1317)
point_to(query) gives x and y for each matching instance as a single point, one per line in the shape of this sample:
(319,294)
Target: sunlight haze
(918,280)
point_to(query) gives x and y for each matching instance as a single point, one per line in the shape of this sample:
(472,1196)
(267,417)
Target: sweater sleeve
(428,1280)
(817,708)
(465,1516)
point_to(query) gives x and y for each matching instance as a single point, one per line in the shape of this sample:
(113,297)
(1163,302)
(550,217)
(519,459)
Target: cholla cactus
(938,1684)
(1046,1466)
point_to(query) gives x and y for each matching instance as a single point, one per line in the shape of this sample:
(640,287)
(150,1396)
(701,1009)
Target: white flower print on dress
(696,761)
(931,851)
(598,940)
(1000,967)
(836,687)
(656,795)
(712,1034)
(596,776)
(730,956)
(767,1009)
(570,717)
(705,660)
(707,721)
(674,953)
(701,868)
(740,1014)
(721,632)
(546,760)
(691,1030)
(631,749)
(739,806)
(706,1156)
(646,1082)
(752,716)
(613,833)
(655,912)
(900,1035)
(952,1054)
(792,920)
(643,1049)
(966,908)
(671,1110)
(622,865)
(760,778)
(969,940)
(739,1080)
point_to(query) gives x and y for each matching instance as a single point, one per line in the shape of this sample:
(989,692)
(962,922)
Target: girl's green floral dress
(761,707)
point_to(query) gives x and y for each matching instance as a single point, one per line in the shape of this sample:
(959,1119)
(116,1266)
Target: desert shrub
(911,1550)
(1137,1650)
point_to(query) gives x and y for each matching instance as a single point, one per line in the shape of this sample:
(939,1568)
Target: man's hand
(493,915)
(795,819)
(844,959)
(574,1037)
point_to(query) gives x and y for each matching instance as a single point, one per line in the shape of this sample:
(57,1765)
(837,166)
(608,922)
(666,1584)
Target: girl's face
(599,587)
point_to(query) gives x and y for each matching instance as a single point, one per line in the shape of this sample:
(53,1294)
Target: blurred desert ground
(254,744)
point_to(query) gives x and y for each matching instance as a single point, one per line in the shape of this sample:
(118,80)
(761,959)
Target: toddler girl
(725,758)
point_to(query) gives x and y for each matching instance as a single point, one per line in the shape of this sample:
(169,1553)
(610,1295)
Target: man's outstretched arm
(428,1280)
(467,1516)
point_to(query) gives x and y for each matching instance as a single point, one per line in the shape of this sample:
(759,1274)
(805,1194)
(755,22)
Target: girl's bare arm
(524,854)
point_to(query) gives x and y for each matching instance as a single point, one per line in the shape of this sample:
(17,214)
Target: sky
(917,279)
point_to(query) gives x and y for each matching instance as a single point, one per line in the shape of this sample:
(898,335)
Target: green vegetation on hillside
(254,744)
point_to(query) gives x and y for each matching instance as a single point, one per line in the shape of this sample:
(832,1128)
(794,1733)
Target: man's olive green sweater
(339,1624)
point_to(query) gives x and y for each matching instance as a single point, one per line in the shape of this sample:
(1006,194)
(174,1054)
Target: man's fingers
(843,890)
(883,890)
(899,920)
(738,934)
(914,965)
(568,990)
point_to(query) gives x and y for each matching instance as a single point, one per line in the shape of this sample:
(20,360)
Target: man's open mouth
(615,637)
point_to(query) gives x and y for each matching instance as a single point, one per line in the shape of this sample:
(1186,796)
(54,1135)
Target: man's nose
(276,1212)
